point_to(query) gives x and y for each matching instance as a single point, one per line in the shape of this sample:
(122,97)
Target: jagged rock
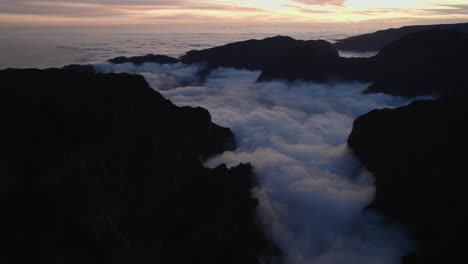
(150,58)
(418,155)
(377,40)
(100,168)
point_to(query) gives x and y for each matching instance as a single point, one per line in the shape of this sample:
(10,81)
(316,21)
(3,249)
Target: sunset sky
(126,12)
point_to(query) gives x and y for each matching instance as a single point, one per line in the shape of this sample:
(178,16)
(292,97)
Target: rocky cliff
(418,155)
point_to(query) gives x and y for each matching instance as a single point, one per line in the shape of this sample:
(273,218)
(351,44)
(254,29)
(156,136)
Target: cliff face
(102,169)
(418,155)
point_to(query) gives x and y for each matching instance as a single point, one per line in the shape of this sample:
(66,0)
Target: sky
(148,12)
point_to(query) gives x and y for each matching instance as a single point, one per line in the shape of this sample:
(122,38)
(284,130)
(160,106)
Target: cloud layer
(312,190)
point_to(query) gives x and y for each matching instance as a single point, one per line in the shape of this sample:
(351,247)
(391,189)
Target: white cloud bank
(312,191)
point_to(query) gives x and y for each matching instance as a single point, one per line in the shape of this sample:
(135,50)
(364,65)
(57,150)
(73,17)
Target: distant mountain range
(377,40)
(420,60)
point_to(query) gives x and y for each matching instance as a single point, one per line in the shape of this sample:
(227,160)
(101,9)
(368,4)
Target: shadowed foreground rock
(418,155)
(101,168)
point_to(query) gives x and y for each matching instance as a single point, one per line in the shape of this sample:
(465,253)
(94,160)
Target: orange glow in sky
(113,12)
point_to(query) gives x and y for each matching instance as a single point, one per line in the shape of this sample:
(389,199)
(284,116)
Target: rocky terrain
(418,155)
(100,168)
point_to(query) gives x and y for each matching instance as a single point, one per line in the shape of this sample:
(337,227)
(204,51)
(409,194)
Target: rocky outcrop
(100,168)
(418,155)
(150,58)
(377,40)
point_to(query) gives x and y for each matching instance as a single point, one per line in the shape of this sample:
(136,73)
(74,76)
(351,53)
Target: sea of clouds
(312,190)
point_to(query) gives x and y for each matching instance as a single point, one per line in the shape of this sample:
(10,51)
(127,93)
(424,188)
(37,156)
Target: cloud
(111,7)
(112,12)
(164,77)
(450,9)
(312,190)
(321,2)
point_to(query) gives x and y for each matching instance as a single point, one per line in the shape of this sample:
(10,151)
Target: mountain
(256,54)
(150,58)
(377,40)
(429,62)
(423,63)
(418,155)
(309,60)
(100,168)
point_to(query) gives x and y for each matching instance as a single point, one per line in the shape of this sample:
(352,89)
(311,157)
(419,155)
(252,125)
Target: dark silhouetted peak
(255,54)
(278,39)
(150,58)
